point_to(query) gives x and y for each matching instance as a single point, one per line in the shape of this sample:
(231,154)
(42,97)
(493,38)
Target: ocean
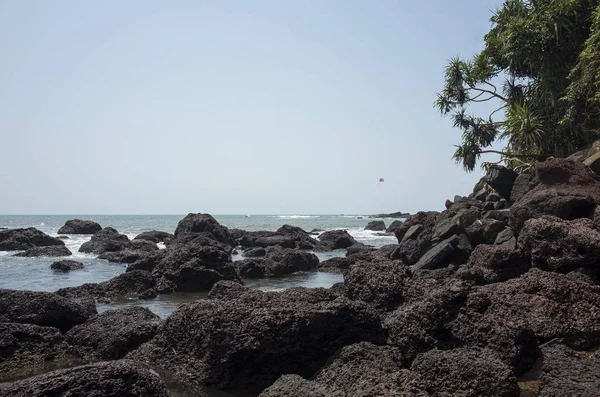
(35,274)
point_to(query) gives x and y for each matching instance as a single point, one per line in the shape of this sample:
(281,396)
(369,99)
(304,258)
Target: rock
(277,263)
(335,265)
(122,378)
(488,206)
(335,239)
(114,333)
(411,250)
(154,236)
(379,283)
(138,250)
(561,188)
(129,283)
(438,256)
(394,226)
(254,252)
(252,339)
(294,386)
(398,214)
(44,309)
(500,205)
(23,239)
(106,240)
(286,237)
(480,195)
(468,372)
(484,231)
(375,226)
(66,266)
(493,197)
(227,290)
(597,217)
(506,238)
(495,263)
(78,226)
(142,260)
(499,215)
(27,347)
(194,265)
(413,232)
(568,373)
(51,251)
(199,223)
(63,237)
(501,179)
(359,250)
(561,246)
(520,187)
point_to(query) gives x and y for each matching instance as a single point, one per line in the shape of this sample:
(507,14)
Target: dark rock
(294,386)
(493,197)
(114,333)
(23,239)
(154,236)
(501,179)
(506,238)
(500,205)
(143,260)
(26,347)
(133,282)
(375,226)
(452,222)
(448,204)
(482,183)
(303,239)
(462,250)
(148,294)
(255,252)
(194,266)
(495,263)
(335,265)
(568,373)
(413,232)
(138,251)
(521,186)
(561,246)
(499,215)
(394,226)
(379,283)
(249,341)
(44,309)
(199,223)
(438,256)
(227,290)
(63,237)
(359,250)
(51,251)
(488,206)
(468,372)
(484,231)
(237,234)
(335,239)
(66,266)
(481,194)
(398,214)
(277,263)
(410,251)
(106,240)
(78,226)
(561,188)
(122,378)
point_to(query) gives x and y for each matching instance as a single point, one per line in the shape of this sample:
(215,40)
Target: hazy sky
(229,107)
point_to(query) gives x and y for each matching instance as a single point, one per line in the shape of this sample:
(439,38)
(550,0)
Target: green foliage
(545,57)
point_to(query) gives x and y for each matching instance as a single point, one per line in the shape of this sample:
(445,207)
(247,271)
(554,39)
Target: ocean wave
(296,216)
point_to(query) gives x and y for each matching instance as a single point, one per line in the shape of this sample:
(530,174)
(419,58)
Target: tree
(540,54)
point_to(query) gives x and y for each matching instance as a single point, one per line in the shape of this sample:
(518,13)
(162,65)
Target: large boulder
(78,226)
(194,265)
(303,239)
(23,239)
(106,240)
(414,237)
(335,239)
(335,265)
(277,263)
(114,333)
(154,236)
(377,226)
(66,266)
(27,347)
(395,225)
(501,179)
(50,251)
(134,282)
(562,246)
(204,223)
(495,263)
(566,372)
(484,231)
(559,187)
(137,250)
(250,339)
(44,309)
(122,378)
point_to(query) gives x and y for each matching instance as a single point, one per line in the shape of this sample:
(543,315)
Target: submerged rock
(66,266)
(23,239)
(51,251)
(78,226)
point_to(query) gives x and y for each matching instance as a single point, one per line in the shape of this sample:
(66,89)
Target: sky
(230,107)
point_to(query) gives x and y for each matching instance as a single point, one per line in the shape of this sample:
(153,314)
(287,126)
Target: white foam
(296,216)
(161,245)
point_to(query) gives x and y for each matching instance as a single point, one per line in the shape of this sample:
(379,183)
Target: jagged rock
(63,237)
(27,347)
(277,263)
(335,239)
(114,333)
(44,309)
(495,263)
(106,240)
(255,252)
(488,206)
(51,251)
(506,238)
(226,290)
(568,373)
(303,239)
(133,282)
(410,251)
(154,236)
(78,226)
(452,222)
(66,266)
(413,232)
(335,265)
(23,239)
(501,179)
(499,215)
(142,260)
(484,231)
(286,237)
(200,223)
(375,226)
(138,250)
(559,187)
(395,225)
(562,246)
(500,205)
(252,339)
(294,386)
(438,256)
(122,378)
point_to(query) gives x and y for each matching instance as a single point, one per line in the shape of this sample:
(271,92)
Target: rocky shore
(497,295)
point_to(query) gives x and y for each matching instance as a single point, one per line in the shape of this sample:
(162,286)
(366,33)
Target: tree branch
(514,155)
